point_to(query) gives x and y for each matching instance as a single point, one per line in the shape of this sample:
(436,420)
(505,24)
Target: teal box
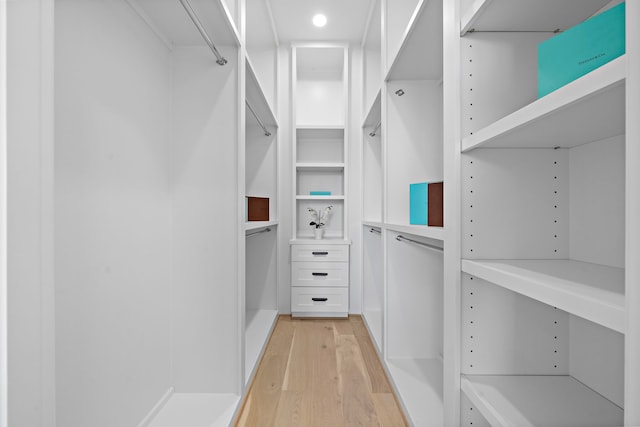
(319,193)
(418,203)
(581,49)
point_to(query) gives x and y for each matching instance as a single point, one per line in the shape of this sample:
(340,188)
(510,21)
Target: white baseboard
(156,408)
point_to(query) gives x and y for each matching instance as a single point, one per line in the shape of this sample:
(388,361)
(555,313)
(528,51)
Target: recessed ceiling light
(319,20)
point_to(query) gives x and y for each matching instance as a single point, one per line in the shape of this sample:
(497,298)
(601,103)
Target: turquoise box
(581,49)
(418,203)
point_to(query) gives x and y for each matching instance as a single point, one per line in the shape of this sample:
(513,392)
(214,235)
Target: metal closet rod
(266,230)
(264,128)
(375,129)
(375,230)
(220,60)
(401,238)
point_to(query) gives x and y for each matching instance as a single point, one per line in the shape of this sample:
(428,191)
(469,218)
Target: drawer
(320,253)
(319,300)
(319,274)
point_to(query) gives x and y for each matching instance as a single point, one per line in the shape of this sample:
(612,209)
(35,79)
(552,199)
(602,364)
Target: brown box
(435,211)
(257,208)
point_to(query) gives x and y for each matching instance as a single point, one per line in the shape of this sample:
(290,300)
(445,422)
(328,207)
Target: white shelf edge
(375,224)
(600,306)
(412,389)
(320,127)
(369,118)
(470,17)
(486,409)
(271,120)
(210,409)
(436,233)
(258,331)
(375,331)
(319,165)
(230,23)
(501,409)
(324,241)
(600,79)
(405,37)
(254,225)
(304,197)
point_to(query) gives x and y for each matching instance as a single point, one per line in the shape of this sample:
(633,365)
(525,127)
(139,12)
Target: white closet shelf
(374,112)
(255,225)
(417,230)
(307,197)
(319,127)
(376,224)
(323,241)
(169,20)
(419,56)
(541,401)
(196,409)
(591,108)
(256,97)
(259,325)
(320,166)
(418,383)
(509,15)
(591,291)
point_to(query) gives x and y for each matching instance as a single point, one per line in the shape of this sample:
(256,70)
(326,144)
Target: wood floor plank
(320,373)
(359,329)
(357,404)
(300,359)
(377,375)
(387,410)
(294,409)
(343,326)
(327,401)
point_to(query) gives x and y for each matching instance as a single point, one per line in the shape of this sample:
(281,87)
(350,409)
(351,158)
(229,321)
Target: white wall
(29,34)
(319,102)
(205,298)
(113,215)
(597,189)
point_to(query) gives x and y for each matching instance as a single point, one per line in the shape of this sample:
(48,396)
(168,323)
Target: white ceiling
(346,19)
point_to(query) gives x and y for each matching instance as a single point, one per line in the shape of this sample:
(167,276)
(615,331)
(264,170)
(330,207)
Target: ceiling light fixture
(319,20)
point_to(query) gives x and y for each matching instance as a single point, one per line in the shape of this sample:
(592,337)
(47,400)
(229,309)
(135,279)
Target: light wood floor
(321,373)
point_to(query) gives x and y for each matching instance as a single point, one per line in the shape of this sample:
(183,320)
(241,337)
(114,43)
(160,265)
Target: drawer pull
(320,253)
(319,274)
(319,299)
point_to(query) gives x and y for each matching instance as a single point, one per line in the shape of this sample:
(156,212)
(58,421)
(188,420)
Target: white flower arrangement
(319,218)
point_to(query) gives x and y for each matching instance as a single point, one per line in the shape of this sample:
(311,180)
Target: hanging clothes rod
(266,230)
(264,128)
(375,129)
(220,60)
(375,230)
(401,238)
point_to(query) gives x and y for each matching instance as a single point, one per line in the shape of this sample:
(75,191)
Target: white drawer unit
(312,253)
(320,274)
(319,279)
(319,302)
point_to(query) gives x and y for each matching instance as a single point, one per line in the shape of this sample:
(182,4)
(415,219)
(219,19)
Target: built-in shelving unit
(260,239)
(403,262)
(550,121)
(516,401)
(591,291)
(320,149)
(320,256)
(145,124)
(536,175)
